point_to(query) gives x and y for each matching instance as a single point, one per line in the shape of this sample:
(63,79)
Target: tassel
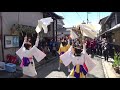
(78,68)
(72,73)
(82,75)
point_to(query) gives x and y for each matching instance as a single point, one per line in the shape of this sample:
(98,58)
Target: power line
(88,21)
(66,18)
(99,15)
(79,15)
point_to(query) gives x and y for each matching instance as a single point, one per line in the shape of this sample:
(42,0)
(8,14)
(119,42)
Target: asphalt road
(49,70)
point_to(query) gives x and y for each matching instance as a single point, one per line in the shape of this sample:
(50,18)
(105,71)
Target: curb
(107,73)
(104,69)
(116,74)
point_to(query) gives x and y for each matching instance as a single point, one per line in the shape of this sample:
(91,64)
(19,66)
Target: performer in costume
(26,53)
(68,46)
(63,48)
(81,61)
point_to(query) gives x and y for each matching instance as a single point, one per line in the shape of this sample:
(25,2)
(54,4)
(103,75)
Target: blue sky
(73,18)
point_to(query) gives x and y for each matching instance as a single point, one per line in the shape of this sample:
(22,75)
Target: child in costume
(26,53)
(81,61)
(63,48)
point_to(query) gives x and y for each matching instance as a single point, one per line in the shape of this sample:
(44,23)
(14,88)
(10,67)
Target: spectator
(88,46)
(54,49)
(106,51)
(50,45)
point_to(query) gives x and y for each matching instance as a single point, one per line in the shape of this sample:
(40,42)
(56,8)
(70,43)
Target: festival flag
(73,35)
(43,23)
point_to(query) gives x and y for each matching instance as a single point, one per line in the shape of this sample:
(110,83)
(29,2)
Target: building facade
(8,19)
(28,21)
(108,30)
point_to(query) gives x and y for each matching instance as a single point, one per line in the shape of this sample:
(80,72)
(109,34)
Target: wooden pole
(56,30)
(2,37)
(53,32)
(87,17)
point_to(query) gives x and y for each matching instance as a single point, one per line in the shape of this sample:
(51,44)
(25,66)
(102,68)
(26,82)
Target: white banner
(73,34)
(43,23)
(88,31)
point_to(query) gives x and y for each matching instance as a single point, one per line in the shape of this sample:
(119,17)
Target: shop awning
(113,28)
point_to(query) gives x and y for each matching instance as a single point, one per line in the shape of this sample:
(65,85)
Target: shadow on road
(5,74)
(50,67)
(50,70)
(91,76)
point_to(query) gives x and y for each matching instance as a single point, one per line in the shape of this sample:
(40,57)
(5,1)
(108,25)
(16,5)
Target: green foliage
(25,28)
(116,60)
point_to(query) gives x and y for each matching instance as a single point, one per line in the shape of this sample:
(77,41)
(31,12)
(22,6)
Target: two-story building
(101,22)
(62,31)
(18,23)
(111,28)
(58,23)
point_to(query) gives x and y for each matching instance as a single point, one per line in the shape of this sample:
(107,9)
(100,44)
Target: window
(113,23)
(11,41)
(107,26)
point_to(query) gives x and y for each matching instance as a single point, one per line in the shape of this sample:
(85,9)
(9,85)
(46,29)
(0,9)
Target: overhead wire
(66,18)
(79,16)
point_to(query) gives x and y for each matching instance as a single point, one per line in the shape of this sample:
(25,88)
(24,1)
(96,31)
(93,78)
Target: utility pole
(53,30)
(87,18)
(56,30)
(2,37)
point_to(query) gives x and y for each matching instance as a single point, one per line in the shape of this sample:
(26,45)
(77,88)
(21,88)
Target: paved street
(50,70)
(53,31)
(97,72)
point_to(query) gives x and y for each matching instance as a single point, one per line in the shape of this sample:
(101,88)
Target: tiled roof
(103,20)
(54,15)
